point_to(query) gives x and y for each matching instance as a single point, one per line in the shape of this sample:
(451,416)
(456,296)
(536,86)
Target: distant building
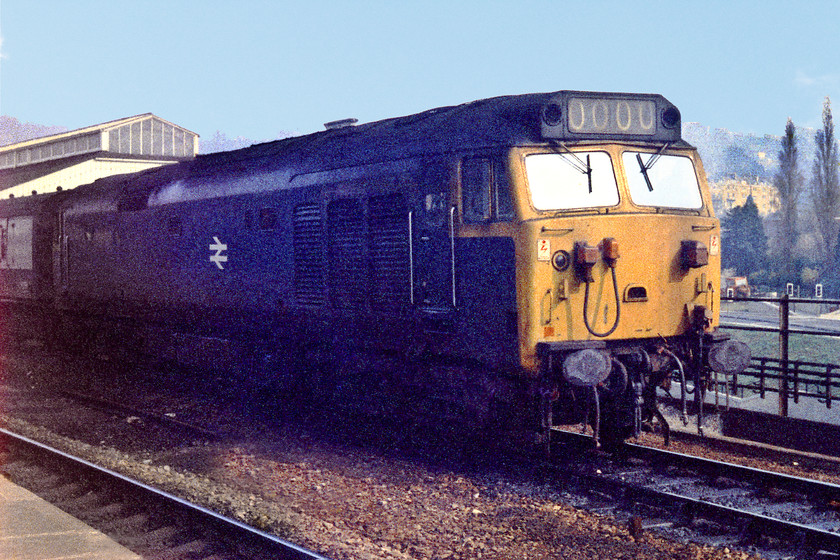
(67,160)
(730,193)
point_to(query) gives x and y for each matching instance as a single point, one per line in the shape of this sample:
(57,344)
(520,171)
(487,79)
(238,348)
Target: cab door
(432,224)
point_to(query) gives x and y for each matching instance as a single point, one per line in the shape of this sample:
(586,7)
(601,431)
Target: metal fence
(791,379)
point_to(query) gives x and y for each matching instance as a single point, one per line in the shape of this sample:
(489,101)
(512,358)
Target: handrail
(452,252)
(411,256)
(795,377)
(777,299)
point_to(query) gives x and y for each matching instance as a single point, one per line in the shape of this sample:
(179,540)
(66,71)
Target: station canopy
(81,156)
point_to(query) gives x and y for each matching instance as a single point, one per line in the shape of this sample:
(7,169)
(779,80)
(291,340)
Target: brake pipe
(683,388)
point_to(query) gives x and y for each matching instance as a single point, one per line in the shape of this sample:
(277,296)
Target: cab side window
(476,180)
(433,206)
(485,191)
(503,203)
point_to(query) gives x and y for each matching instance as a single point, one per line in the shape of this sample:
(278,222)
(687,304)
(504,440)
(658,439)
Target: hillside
(738,165)
(12,130)
(729,155)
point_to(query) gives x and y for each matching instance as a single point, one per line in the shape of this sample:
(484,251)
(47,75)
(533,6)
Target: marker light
(671,117)
(561,260)
(552,114)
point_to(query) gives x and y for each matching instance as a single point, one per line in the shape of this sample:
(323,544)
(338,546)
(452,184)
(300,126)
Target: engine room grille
(309,261)
(388,226)
(347,274)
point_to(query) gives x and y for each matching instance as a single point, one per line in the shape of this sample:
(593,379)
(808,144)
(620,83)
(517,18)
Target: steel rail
(812,536)
(108,405)
(284,548)
(815,489)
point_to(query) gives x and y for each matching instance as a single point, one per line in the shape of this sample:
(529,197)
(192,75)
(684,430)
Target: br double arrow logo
(218,257)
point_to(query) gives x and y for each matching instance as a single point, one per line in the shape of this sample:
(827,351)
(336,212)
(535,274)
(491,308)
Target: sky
(264,69)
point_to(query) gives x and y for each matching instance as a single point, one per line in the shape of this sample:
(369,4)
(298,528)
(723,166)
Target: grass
(803,347)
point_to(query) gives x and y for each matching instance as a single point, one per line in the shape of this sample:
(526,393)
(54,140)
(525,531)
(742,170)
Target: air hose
(597,427)
(617,307)
(596,421)
(683,388)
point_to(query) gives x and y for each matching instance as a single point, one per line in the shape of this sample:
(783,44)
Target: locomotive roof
(509,120)
(500,121)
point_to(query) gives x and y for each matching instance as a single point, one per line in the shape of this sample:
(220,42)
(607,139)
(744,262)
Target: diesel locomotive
(545,258)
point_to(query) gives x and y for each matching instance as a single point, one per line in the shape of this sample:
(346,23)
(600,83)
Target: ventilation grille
(309,262)
(389,253)
(345,220)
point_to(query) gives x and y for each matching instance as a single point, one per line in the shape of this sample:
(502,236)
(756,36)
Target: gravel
(346,500)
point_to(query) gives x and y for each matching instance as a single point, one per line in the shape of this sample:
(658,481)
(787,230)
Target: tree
(788,182)
(825,186)
(744,243)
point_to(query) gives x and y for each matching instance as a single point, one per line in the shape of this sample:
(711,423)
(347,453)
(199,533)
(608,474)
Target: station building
(67,160)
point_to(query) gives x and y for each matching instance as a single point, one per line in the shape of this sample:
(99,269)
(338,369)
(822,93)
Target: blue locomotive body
(483,236)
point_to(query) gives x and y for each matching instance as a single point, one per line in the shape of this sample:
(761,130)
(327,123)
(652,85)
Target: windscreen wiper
(579,164)
(644,167)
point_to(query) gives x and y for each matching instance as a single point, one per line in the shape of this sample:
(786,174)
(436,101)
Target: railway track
(719,503)
(730,505)
(148,521)
(669,491)
(161,419)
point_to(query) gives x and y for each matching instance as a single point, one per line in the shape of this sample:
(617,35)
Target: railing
(805,379)
(791,379)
